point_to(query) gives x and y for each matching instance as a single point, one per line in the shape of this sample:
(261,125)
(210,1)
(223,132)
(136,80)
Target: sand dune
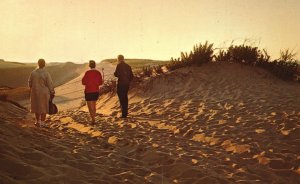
(10,64)
(17,76)
(219,123)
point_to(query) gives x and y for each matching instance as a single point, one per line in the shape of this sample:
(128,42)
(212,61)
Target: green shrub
(175,64)
(286,67)
(287,70)
(243,54)
(263,57)
(202,53)
(222,56)
(287,55)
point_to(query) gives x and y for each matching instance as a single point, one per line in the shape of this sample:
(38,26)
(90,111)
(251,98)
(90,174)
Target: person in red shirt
(92,79)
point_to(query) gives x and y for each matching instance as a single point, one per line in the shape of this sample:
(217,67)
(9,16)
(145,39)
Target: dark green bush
(243,54)
(263,57)
(202,53)
(287,55)
(287,70)
(286,67)
(175,64)
(223,55)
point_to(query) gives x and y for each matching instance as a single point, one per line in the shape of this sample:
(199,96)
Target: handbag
(52,107)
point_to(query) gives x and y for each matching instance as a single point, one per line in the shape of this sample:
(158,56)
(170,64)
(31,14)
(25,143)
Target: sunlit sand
(192,125)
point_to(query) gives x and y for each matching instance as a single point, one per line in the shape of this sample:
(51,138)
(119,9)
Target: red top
(92,80)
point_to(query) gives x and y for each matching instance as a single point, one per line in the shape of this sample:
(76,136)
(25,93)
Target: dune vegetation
(137,64)
(286,67)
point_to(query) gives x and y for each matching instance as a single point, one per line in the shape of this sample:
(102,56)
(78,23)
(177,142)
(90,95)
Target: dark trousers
(122,91)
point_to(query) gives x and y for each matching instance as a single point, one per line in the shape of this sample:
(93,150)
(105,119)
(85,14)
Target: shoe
(37,123)
(123,117)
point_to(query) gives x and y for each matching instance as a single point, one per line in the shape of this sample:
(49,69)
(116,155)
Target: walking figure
(41,91)
(92,79)
(124,74)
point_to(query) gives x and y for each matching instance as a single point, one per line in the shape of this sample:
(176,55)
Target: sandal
(37,123)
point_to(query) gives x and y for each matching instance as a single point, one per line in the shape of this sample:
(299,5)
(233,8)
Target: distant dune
(16,74)
(219,123)
(11,64)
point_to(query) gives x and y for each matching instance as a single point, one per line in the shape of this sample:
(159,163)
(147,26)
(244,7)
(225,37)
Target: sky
(80,30)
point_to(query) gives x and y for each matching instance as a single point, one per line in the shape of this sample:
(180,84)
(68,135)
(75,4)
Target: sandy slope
(219,123)
(18,76)
(241,120)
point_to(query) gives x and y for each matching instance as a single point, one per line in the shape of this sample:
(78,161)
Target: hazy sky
(79,30)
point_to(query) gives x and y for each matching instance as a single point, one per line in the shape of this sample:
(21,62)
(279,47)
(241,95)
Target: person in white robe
(41,90)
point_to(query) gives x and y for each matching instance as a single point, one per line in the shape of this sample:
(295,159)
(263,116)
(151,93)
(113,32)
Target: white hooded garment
(41,86)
